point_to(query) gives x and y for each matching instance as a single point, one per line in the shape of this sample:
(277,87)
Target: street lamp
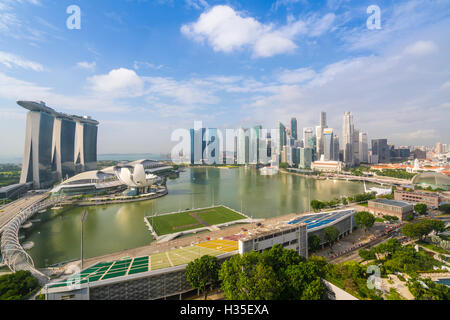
(83,218)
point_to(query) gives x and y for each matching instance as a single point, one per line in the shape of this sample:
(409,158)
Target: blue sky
(146,68)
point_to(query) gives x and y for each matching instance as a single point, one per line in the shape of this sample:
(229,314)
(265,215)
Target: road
(9,211)
(354,255)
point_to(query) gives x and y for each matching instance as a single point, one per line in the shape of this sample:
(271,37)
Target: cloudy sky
(145,68)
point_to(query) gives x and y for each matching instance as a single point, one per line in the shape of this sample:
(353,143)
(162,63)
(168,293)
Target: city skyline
(394,80)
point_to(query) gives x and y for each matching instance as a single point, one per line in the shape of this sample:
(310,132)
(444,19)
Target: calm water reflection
(112,228)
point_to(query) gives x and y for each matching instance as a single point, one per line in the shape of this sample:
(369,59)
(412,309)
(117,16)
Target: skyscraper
(55,143)
(308,133)
(328,144)
(336,148)
(355,147)
(63,147)
(439,149)
(198,143)
(363,148)
(294,128)
(347,138)
(85,144)
(305,158)
(380,149)
(254,143)
(319,134)
(323,119)
(212,151)
(37,156)
(242,146)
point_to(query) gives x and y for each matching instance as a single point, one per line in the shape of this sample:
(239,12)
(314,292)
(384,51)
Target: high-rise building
(198,145)
(254,144)
(319,141)
(63,147)
(347,138)
(328,144)
(294,128)
(323,119)
(305,158)
(242,146)
(363,148)
(55,143)
(308,134)
(283,137)
(355,147)
(336,148)
(319,134)
(380,149)
(439,148)
(37,157)
(212,151)
(85,144)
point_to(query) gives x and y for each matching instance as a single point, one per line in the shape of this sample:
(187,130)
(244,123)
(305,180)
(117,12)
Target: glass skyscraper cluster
(56,145)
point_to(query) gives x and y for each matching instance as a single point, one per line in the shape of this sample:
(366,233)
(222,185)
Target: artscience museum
(129,179)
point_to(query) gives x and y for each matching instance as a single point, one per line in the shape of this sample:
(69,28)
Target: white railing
(14,256)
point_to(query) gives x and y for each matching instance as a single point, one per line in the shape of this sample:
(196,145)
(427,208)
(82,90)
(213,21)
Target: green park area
(9,174)
(189,220)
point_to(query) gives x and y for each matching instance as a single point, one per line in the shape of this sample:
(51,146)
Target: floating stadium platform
(162,275)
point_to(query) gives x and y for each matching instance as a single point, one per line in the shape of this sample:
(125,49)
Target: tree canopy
(17,286)
(314,243)
(422,228)
(331,235)
(364,220)
(445,208)
(203,271)
(421,208)
(275,274)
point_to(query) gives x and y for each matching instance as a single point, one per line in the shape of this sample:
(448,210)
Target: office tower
(308,134)
(85,144)
(212,150)
(319,141)
(355,147)
(198,144)
(282,139)
(363,148)
(63,147)
(323,119)
(294,128)
(296,156)
(336,148)
(37,157)
(347,138)
(305,158)
(242,146)
(328,144)
(319,134)
(380,150)
(254,143)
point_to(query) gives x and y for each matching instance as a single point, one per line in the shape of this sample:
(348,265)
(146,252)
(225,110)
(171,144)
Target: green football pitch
(189,220)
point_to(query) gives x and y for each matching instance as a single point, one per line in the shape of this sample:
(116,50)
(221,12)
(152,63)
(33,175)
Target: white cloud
(227,30)
(388,95)
(421,48)
(138,64)
(117,83)
(10,60)
(297,76)
(445,86)
(197,4)
(87,65)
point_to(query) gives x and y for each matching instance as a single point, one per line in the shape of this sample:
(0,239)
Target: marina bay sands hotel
(57,145)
